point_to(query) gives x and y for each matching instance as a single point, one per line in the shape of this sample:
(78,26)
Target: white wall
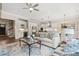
(18,32)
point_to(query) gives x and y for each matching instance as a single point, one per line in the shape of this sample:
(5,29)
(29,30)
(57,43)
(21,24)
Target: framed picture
(22,26)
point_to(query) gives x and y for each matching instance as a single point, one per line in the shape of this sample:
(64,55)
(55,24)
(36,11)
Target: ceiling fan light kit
(31,7)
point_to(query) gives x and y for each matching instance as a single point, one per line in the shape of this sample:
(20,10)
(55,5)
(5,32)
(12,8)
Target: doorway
(2,29)
(7,31)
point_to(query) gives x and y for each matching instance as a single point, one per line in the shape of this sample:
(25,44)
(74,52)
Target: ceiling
(47,11)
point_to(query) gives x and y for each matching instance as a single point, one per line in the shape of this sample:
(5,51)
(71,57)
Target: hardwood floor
(6,39)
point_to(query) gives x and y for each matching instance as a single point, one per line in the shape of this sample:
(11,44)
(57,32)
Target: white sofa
(54,42)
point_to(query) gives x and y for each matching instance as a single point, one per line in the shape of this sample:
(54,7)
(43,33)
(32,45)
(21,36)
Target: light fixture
(55,29)
(49,24)
(64,25)
(31,9)
(21,29)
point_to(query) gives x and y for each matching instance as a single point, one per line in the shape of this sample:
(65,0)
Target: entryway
(7,31)
(2,29)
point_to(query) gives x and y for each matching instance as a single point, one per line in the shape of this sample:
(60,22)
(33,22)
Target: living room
(49,30)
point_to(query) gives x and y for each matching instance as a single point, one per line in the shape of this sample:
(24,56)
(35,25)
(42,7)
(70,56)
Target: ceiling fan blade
(30,11)
(36,5)
(25,8)
(36,9)
(28,4)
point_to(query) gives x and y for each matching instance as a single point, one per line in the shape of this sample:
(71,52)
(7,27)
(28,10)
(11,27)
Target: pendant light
(64,25)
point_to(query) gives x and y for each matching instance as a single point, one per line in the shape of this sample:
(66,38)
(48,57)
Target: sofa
(52,41)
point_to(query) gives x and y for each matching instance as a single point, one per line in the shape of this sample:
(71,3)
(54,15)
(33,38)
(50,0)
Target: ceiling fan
(31,7)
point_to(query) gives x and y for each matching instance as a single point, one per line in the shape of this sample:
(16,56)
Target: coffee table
(29,43)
